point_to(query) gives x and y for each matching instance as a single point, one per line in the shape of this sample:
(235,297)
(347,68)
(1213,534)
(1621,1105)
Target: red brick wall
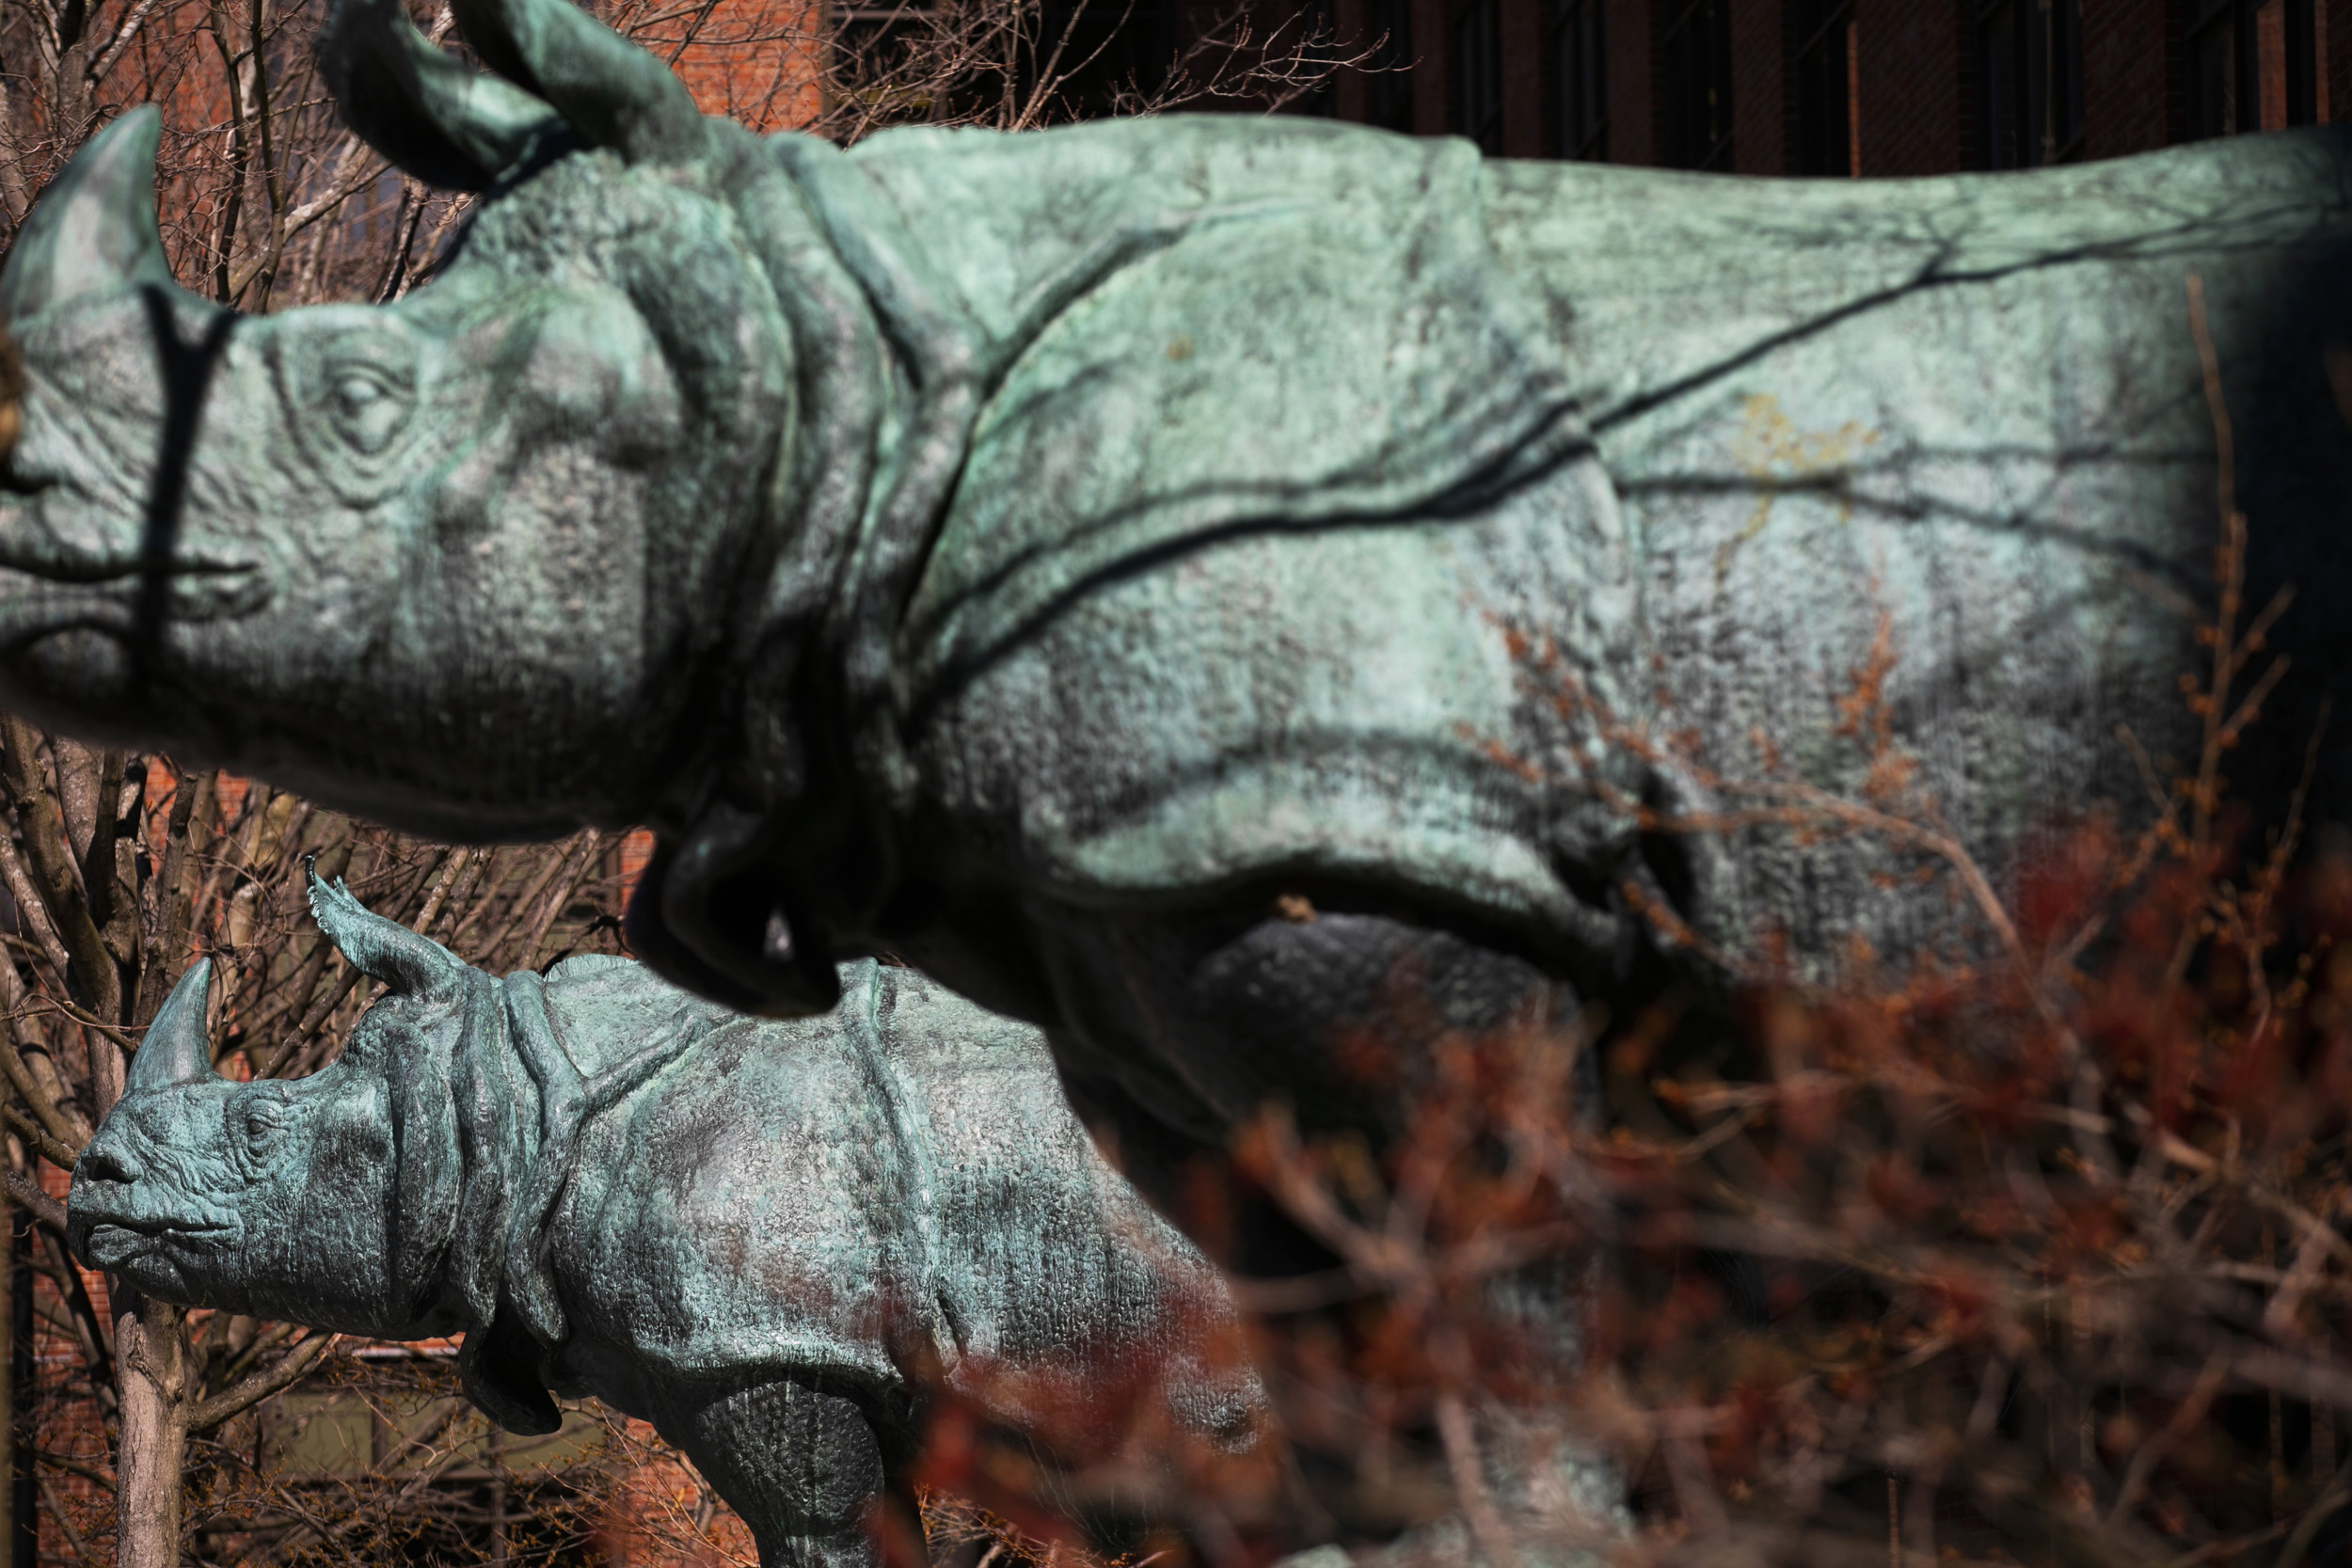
(750,61)
(1759,69)
(1914,104)
(2134,95)
(1633,84)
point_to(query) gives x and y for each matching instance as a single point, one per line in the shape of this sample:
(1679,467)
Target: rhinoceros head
(327,1200)
(463,561)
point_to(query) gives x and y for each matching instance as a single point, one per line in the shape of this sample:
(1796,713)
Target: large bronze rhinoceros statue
(1169,579)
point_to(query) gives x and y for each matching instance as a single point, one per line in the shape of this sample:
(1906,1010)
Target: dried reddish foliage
(2028,1250)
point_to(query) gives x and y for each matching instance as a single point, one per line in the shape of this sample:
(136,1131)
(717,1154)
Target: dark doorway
(1580,81)
(1478,74)
(1823,68)
(1388,24)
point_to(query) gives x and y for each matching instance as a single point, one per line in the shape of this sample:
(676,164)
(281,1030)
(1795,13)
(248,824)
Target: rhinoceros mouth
(194,588)
(68,540)
(110,1243)
(113,570)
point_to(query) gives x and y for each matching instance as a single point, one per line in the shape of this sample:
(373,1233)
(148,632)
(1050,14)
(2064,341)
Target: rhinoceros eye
(258,1123)
(354,381)
(367,407)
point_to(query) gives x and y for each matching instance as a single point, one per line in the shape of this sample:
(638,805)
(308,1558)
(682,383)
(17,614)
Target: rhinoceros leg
(1341,1014)
(1207,1017)
(801,1465)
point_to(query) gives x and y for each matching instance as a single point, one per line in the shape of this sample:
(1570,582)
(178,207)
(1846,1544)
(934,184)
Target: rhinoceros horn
(410,964)
(175,1049)
(419,107)
(94,228)
(448,126)
(612,93)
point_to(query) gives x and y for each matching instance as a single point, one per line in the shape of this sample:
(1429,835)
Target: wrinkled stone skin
(774,1240)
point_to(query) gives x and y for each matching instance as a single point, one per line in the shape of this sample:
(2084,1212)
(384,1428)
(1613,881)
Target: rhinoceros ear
(612,93)
(175,1049)
(410,964)
(419,107)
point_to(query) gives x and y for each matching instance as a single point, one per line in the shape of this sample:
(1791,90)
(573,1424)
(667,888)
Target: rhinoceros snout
(104,1226)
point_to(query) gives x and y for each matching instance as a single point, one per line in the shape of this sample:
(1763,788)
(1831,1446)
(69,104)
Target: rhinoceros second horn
(440,122)
(612,93)
(385,949)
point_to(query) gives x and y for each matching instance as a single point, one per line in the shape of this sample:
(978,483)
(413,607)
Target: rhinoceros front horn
(175,1049)
(409,963)
(94,228)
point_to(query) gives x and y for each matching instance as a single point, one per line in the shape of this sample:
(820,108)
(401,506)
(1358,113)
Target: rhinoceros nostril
(20,481)
(100,1164)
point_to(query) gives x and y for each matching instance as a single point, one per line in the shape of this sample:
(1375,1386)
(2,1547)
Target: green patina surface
(1166,578)
(1145,514)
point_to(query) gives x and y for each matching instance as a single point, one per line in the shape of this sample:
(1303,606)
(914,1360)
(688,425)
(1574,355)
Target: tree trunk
(9,1393)
(23,1515)
(150,1377)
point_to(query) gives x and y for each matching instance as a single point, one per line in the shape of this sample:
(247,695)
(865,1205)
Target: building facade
(1838,87)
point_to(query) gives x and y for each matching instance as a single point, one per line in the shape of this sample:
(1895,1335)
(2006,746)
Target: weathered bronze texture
(1181,582)
(1037,554)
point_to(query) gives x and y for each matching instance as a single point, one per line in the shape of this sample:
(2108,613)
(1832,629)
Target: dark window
(1096,57)
(1822,61)
(1103,53)
(1694,82)
(1316,26)
(1390,26)
(2030,82)
(1478,72)
(2253,66)
(1580,81)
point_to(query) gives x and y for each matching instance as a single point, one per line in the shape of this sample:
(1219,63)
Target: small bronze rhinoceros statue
(768,1237)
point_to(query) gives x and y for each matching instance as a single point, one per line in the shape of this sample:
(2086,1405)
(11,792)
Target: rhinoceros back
(1965,416)
(1258,538)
